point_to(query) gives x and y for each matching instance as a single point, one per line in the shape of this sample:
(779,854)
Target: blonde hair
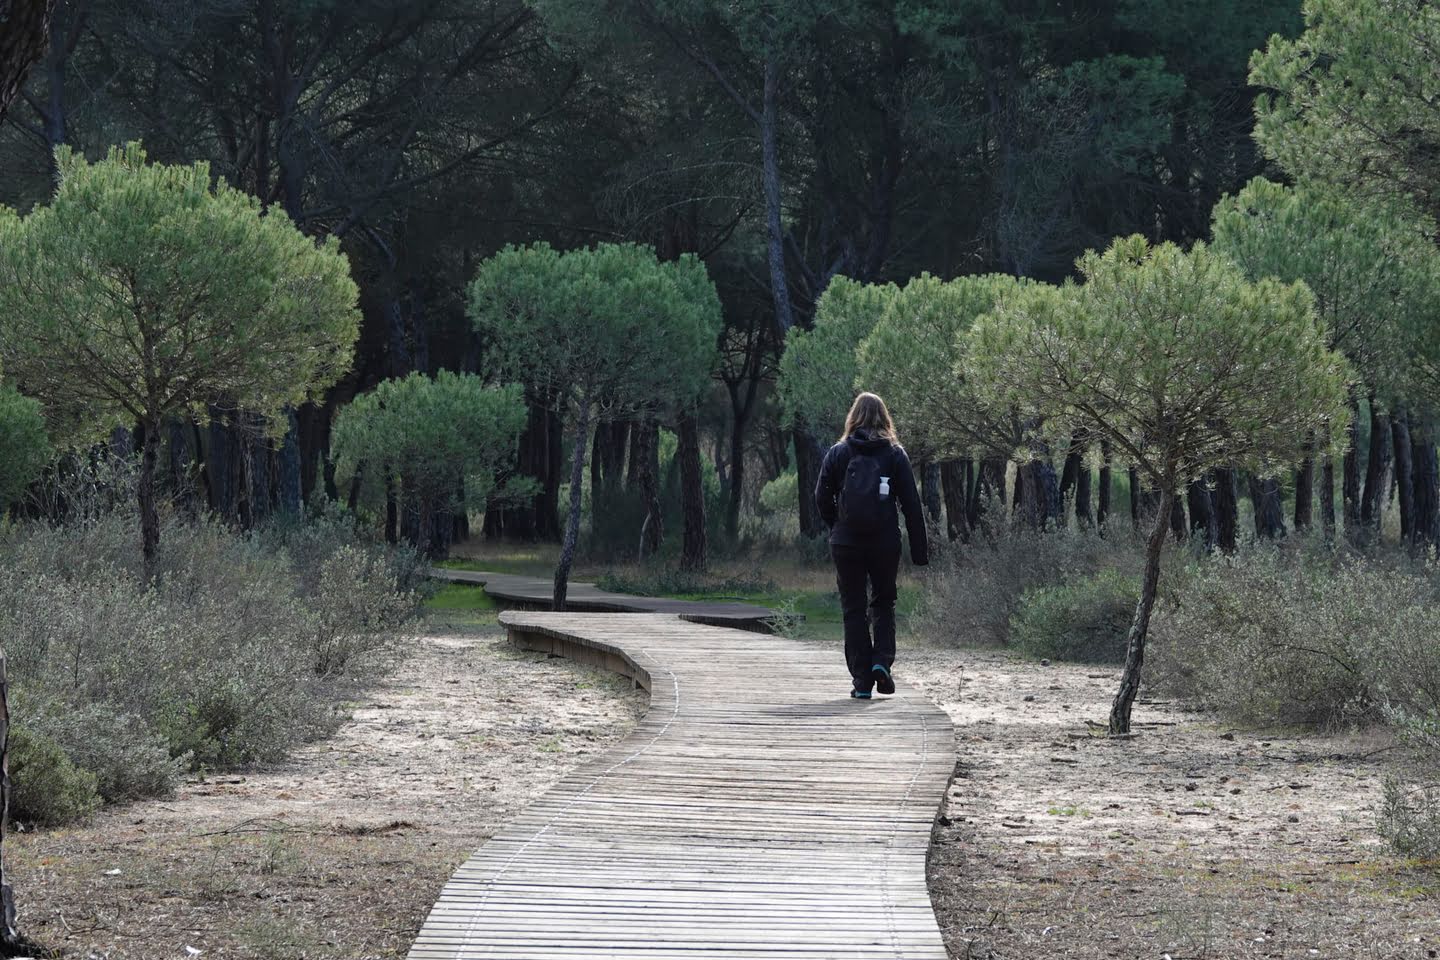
(868,413)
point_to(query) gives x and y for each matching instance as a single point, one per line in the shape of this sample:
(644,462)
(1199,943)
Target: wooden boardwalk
(535,592)
(755,812)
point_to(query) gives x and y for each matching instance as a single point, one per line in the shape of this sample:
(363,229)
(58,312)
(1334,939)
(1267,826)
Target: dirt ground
(1190,841)
(341,853)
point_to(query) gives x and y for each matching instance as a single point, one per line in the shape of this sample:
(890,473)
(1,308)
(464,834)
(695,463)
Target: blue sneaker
(860,694)
(884,683)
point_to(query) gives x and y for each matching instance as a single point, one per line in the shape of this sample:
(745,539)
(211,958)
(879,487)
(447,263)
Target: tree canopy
(1181,362)
(143,291)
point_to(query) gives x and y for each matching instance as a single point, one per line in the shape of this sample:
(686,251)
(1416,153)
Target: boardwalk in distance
(756,812)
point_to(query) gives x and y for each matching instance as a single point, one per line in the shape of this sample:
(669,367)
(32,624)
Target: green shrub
(1085,619)
(129,760)
(1303,636)
(671,581)
(973,591)
(1409,818)
(49,789)
(241,649)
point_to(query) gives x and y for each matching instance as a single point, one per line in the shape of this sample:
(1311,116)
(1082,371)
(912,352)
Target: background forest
(1152,290)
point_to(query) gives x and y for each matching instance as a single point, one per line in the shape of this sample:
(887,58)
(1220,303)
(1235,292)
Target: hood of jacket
(864,442)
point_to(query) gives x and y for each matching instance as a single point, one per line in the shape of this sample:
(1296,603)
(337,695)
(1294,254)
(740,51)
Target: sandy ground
(342,852)
(1191,841)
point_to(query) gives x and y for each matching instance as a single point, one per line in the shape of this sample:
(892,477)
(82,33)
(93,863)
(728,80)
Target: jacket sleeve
(826,489)
(914,511)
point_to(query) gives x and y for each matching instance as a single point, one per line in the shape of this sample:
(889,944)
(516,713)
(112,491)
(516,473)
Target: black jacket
(903,492)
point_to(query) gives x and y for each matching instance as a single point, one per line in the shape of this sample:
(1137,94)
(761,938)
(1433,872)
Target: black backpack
(862,506)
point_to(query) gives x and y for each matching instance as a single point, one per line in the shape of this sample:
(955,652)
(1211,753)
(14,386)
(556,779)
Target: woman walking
(862,479)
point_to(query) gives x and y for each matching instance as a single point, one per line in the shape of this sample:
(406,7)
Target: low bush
(48,788)
(1303,636)
(242,647)
(974,591)
(1085,619)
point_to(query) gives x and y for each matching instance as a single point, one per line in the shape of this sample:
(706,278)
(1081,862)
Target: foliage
(818,369)
(914,358)
(1083,619)
(432,438)
(24,446)
(1175,357)
(1373,275)
(1350,102)
(1409,818)
(610,326)
(49,789)
(141,290)
(1303,636)
(233,656)
(973,595)
(670,582)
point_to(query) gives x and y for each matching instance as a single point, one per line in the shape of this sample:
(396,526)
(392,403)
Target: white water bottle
(884,487)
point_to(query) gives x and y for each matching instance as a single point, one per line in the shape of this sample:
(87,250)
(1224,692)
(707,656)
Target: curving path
(755,812)
(535,593)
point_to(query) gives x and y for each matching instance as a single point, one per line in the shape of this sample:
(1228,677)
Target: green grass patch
(460,596)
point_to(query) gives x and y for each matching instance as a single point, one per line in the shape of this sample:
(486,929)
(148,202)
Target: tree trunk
(954,480)
(1350,481)
(735,490)
(692,494)
(145,494)
(1202,513)
(1135,495)
(1269,508)
(1140,625)
(807,473)
(1102,505)
(1227,510)
(23,39)
(219,469)
(288,485)
(1426,470)
(1304,493)
(1178,527)
(392,511)
(930,492)
(1327,495)
(1377,469)
(989,485)
(1084,520)
(572,522)
(1404,471)
(645,471)
(774,222)
(182,459)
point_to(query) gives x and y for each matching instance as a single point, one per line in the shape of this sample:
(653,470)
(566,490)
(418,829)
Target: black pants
(853,567)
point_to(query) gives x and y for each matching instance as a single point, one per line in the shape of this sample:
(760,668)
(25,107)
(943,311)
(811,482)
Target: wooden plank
(750,814)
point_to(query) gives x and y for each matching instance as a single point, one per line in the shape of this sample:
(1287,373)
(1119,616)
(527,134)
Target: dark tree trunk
(1377,469)
(219,467)
(145,494)
(930,492)
(288,482)
(392,512)
(1269,508)
(1136,494)
(735,482)
(692,494)
(646,474)
(182,460)
(1304,493)
(807,473)
(572,520)
(23,39)
(955,481)
(1202,514)
(1140,625)
(1070,476)
(1404,471)
(1038,492)
(1426,486)
(989,485)
(769,121)
(1227,509)
(1178,527)
(1102,505)
(1327,495)
(1350,481)
(1084,519)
